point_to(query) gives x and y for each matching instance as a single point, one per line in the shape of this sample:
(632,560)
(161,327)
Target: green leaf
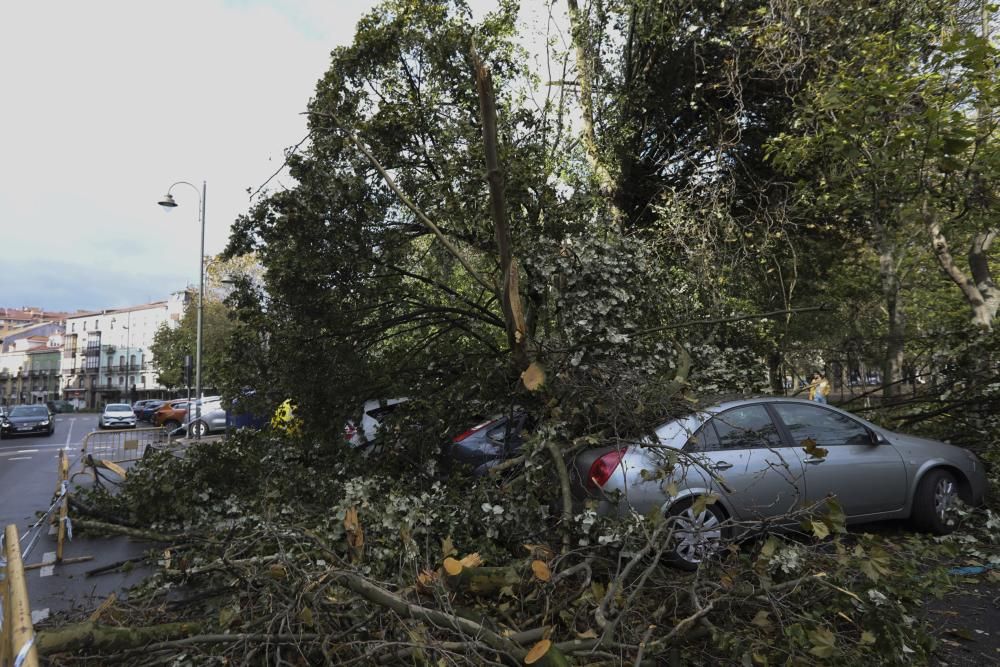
(820,529)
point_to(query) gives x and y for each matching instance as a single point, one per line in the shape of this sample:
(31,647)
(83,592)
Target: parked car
(174,414)
(170,414)
(777,455)
(138,406)
(116,415)
(147,411)
(488,443)
(56,407)
(26,420)
(372,414)
(212,419)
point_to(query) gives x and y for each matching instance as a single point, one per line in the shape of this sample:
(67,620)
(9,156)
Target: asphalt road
(28,480)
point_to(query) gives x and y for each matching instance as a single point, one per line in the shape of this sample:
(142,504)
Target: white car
(373,412)
(117,415)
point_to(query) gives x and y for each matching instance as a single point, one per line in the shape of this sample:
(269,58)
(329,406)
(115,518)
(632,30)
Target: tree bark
(509,288)
(979,289)
(581,47)
(892,361)
(89,635)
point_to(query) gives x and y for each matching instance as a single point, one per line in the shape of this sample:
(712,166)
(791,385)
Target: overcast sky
(106,103)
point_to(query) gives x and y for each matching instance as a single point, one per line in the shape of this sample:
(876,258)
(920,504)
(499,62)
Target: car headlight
(44,422)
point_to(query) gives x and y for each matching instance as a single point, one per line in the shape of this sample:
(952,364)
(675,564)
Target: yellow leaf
(867,637)
(426,579)
(278,571)
(452,567)
(701,503)
(761,619)
(533,377)
(589,634)
(820,529)
(541,570)
(810,447)
(537,652)
(306,616)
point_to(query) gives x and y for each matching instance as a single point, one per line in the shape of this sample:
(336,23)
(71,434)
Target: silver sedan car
(764,458)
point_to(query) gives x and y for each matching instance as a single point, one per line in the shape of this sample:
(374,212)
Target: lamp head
(167,202)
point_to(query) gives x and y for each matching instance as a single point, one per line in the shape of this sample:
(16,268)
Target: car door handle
(814,461)
(722,465)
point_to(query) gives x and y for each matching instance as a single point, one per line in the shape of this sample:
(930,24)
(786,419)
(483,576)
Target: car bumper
(26,430)
(118,423)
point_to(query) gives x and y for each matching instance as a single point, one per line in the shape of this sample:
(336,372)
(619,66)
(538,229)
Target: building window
(143,380)
(72,326)
(109,380)
(85,325)
(121,362)
(80,383)
(131,361)
(121,380)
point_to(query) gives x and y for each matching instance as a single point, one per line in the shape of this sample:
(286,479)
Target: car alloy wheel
(945,495)
(934,502)
(696,536)
(199,429)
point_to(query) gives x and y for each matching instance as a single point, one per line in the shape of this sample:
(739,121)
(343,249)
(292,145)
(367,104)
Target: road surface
(28,480)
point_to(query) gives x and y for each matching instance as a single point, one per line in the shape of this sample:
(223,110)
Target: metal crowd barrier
(113,448)
(17,636)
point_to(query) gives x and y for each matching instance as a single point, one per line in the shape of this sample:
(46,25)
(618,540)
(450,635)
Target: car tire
(199,429)
(935,497)
(170,424)
(696,538)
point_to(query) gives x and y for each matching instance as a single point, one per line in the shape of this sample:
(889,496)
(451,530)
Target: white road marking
(48,570)
(26,451)
(39,616)
(19,458)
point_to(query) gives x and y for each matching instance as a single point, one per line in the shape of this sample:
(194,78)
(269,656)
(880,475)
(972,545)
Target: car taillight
(602,469)
(349,432)
(478,427)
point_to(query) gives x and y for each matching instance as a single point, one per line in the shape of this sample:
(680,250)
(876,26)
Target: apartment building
(106,354)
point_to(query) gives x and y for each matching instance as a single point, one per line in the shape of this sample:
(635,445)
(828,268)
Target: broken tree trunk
(89,635)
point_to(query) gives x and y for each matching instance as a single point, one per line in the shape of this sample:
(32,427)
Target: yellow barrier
(61,490)
(110,449)
(17,635)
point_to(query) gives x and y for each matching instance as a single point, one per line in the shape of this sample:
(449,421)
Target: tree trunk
(979,289)
(108,639)
(892,361)
(774,374)
(585,70)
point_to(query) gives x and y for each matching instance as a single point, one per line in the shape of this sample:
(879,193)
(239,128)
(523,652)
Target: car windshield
(30,411)
(117,407)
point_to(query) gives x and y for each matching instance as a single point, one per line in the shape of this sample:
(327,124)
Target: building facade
(29,364)
(106,354)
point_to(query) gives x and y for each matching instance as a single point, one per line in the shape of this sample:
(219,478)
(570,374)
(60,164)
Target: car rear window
(118,407)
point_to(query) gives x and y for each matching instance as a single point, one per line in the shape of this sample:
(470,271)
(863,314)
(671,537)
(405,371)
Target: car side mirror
(877,438)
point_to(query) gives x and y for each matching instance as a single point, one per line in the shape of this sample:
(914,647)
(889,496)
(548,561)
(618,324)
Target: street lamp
(168,203)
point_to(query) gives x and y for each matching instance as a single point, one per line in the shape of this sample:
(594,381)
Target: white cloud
(108,102)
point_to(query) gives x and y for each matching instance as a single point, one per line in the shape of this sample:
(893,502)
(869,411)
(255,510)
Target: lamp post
(168,203)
